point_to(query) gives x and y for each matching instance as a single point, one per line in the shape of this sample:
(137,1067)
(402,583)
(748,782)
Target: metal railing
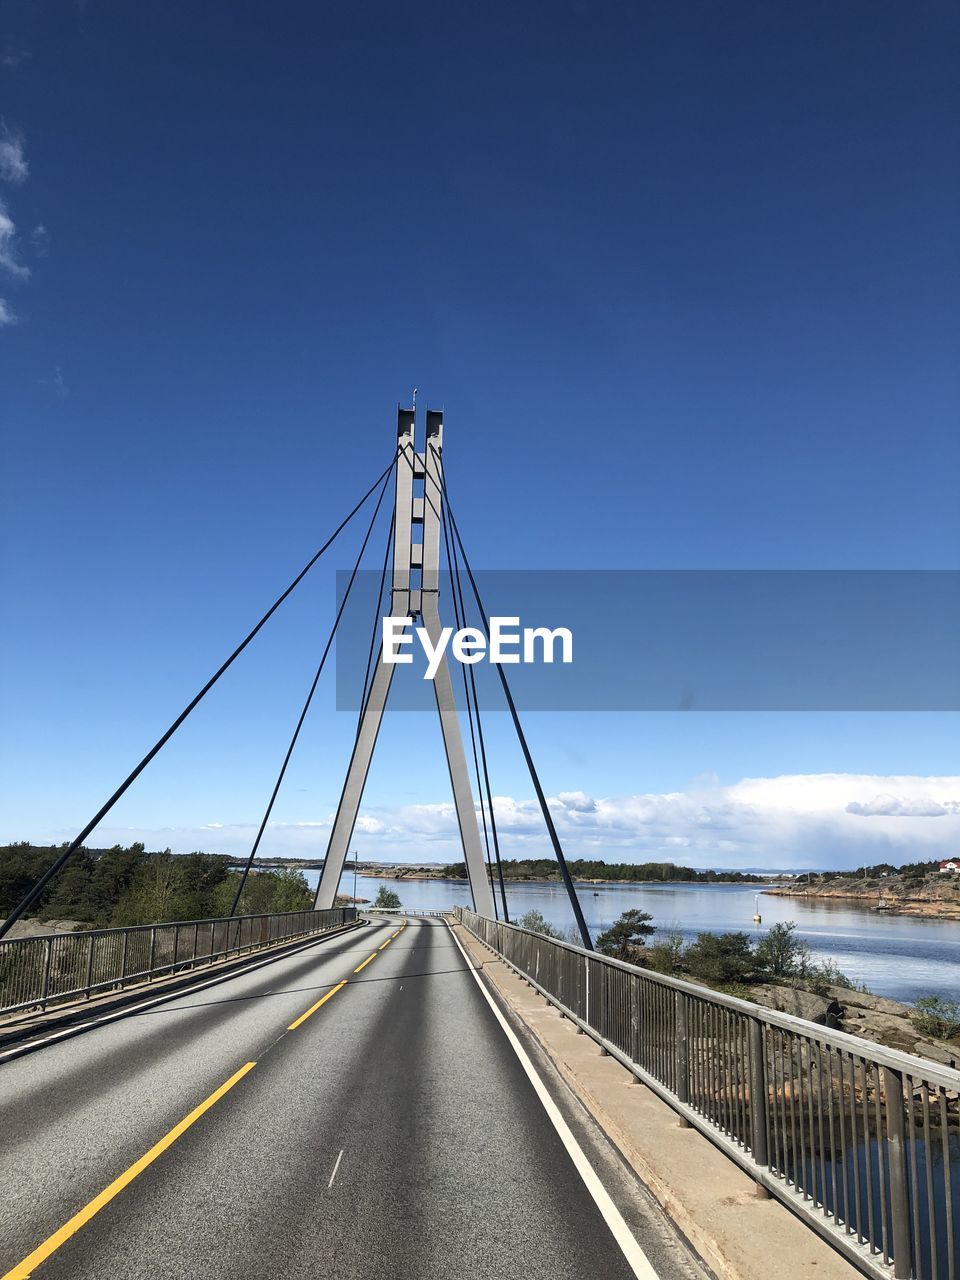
(438,912)
(35,972)
(862,1141)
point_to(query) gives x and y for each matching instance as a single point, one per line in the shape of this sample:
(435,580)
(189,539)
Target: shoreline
(916,908)
(756,886)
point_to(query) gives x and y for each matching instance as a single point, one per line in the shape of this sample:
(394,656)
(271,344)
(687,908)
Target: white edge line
(637,1260)
(335,1168)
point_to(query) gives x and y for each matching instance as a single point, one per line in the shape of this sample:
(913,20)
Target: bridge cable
(458,590)
(306,705)
(376,620)
(461,621)
(521,737)
(33,894)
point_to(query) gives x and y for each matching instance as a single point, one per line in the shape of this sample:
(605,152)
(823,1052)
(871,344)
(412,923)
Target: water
(896,956)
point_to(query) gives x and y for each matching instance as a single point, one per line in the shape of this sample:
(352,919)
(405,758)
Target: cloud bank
(790,821)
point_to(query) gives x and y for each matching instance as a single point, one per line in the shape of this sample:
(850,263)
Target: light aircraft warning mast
(413,512)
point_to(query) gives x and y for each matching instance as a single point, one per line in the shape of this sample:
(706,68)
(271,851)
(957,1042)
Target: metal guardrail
(403,911)
(863,1142)
(35,972)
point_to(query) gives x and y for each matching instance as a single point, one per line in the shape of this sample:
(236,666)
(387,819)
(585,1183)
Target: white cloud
(7,316)
(9,260)
(790,821)
(13,162)
(888,806)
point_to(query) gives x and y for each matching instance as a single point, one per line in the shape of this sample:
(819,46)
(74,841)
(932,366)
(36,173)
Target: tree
(666,954)
(626,935)
(387,898)
(722,958)
(781,953)
(534,921)
(291,891)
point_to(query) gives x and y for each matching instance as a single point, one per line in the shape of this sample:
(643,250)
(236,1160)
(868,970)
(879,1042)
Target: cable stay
(60,862)
(461,621)
(456,581)
(378,613)
(521,737)
(306,705)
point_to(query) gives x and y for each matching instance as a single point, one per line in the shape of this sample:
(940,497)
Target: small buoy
(757,920)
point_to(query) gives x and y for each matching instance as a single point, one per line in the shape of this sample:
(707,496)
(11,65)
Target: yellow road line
(370,957)
(314,1007)
(388,941)
(25,1268)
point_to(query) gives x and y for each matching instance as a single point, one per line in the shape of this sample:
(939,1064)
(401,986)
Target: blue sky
(684,277)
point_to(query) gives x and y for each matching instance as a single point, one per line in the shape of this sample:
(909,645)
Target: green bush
(938,1018)
(781,953)
(387,898)
(534,921)
(722,958)
(820,977)
(666,954)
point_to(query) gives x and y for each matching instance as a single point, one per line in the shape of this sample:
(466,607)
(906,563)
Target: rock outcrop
(874,1018)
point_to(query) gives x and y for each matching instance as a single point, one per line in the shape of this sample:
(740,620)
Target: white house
(951,864)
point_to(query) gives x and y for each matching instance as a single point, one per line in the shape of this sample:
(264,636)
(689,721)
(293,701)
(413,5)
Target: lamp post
(355,856)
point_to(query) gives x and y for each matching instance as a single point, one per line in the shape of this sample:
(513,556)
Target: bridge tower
(419,495)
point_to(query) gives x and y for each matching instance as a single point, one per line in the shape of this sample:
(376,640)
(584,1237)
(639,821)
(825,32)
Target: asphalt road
(394,1131)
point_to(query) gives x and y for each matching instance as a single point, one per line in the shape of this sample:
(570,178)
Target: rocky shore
(936,899)
(874,1018)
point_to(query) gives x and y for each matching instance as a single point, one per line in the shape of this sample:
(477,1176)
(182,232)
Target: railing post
(758,1095)
(153,950)
(681,1047)
(123,955)
(88,977)
(635,1021)
(897,1164)
(48,960)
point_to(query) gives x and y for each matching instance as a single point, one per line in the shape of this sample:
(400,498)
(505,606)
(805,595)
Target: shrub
(938,1018)
(666,954)
(781,953)
(387,898)
(722,958)
(534,921)
(820,977)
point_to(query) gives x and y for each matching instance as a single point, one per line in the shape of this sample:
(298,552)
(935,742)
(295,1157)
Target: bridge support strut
(412,510)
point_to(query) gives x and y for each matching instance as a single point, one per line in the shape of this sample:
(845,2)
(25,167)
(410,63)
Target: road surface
(391,1132)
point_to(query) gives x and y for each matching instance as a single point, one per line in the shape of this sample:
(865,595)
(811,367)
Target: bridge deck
(450,1165)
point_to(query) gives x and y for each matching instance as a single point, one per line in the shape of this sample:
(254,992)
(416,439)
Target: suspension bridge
(329,1093)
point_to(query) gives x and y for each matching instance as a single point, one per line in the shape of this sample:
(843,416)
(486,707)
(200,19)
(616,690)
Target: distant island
(597,871)
(915,889)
